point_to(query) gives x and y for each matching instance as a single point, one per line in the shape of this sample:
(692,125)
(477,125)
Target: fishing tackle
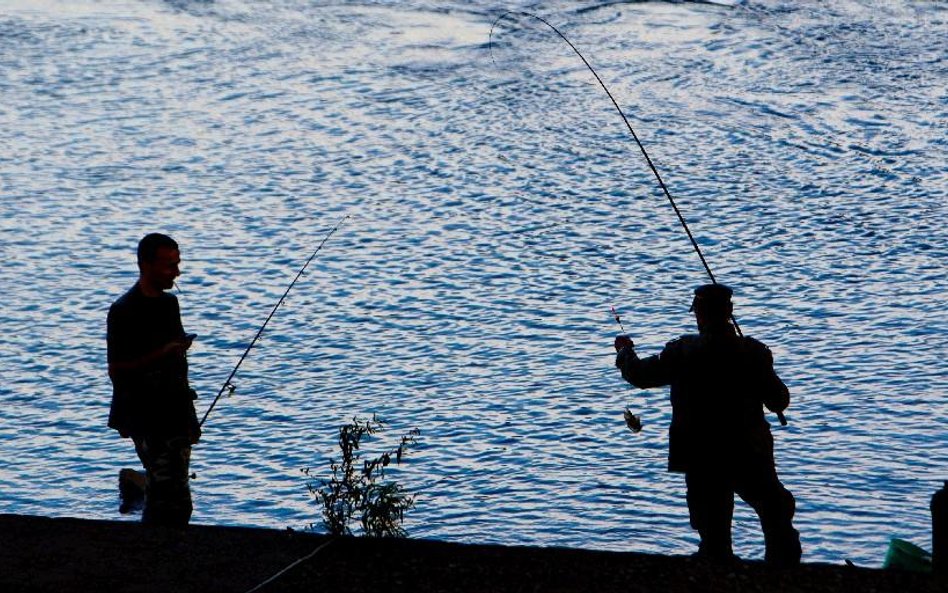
(633,421)
(658,177)
(230,387)
(619,321)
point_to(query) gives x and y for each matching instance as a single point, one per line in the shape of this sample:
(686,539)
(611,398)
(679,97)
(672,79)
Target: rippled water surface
(498,208)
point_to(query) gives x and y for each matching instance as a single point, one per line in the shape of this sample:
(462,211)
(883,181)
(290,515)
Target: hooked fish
(632,421)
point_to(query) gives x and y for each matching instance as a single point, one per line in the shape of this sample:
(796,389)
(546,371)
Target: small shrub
(356,490)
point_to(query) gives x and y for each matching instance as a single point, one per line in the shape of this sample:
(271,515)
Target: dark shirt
(719,384)
(156,399)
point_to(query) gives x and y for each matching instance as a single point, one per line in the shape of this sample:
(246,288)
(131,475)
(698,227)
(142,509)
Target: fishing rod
(651,165)
(230,387)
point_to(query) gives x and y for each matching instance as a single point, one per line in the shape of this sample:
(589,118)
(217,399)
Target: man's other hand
(176,347)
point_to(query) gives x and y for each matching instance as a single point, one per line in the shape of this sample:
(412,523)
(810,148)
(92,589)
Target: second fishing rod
(228,386)
(651,165)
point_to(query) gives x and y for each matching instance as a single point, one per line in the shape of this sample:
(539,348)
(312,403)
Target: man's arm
(774,392)
(651,371)
(119,341)
(148,360)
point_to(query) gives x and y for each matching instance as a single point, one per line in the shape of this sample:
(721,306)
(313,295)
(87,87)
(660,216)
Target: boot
(783,548)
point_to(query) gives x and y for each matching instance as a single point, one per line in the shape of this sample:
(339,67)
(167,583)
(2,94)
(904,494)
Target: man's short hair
(150,244)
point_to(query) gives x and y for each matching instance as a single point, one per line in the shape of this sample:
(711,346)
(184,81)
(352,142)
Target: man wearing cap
(718,437)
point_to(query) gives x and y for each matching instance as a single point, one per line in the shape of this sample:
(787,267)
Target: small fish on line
(632,421)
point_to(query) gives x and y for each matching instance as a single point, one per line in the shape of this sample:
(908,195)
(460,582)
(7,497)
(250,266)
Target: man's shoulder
(683,341)
(681,344)
(127,299)
(133,299)
(755,344)
(757,350)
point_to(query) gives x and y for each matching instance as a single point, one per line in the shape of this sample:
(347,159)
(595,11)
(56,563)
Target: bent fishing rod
(651,165)
(230,387)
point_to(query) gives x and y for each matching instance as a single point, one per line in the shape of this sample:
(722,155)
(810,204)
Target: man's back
(719,384)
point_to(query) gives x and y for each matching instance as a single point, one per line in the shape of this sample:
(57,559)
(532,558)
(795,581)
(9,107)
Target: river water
(498,209)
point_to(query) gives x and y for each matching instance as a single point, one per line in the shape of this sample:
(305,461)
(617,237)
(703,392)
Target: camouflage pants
(167,493)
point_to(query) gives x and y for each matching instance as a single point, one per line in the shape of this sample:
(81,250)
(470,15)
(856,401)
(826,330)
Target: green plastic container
(903,555)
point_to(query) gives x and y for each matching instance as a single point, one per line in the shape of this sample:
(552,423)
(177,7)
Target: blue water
(498,209)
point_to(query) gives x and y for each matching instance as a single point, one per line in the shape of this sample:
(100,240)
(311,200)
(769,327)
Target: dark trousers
(711,507)
(167,492)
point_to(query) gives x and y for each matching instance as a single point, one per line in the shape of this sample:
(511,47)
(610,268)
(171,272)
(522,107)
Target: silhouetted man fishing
(719,438)
(152,402)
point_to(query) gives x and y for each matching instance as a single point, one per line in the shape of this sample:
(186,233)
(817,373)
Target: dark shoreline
(41,554)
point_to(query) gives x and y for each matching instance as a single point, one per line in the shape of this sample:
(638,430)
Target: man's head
(158,260)
(712,304)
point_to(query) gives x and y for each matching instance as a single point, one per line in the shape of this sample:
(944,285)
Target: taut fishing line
(635,137)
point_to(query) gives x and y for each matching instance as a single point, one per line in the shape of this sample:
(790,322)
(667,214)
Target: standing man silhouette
(152,402)
(718,437)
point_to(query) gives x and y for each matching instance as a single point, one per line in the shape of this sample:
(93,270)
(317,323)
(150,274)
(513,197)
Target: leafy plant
(356,489)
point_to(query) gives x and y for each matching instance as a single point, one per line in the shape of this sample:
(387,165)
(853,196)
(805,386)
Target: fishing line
(230,387)
(619,321)
(633,421)
(292,565)
(635,137)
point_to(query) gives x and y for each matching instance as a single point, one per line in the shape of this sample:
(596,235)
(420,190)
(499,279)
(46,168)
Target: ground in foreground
(39,554)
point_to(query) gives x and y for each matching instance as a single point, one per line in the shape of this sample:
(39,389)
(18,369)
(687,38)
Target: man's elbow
(637,379)
(779,399)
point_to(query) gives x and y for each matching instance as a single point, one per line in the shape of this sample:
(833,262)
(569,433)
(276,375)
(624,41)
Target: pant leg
(710,508)
(775,506)
(167,489)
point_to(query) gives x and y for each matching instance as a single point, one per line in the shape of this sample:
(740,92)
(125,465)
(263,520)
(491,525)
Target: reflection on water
(499,209)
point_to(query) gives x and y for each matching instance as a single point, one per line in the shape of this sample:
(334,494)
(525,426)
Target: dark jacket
(719,384)
(156,400)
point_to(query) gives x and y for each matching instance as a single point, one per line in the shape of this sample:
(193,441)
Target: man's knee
(780,507)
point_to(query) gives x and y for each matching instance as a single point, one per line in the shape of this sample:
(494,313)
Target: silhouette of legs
(711,508)
(167,492)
